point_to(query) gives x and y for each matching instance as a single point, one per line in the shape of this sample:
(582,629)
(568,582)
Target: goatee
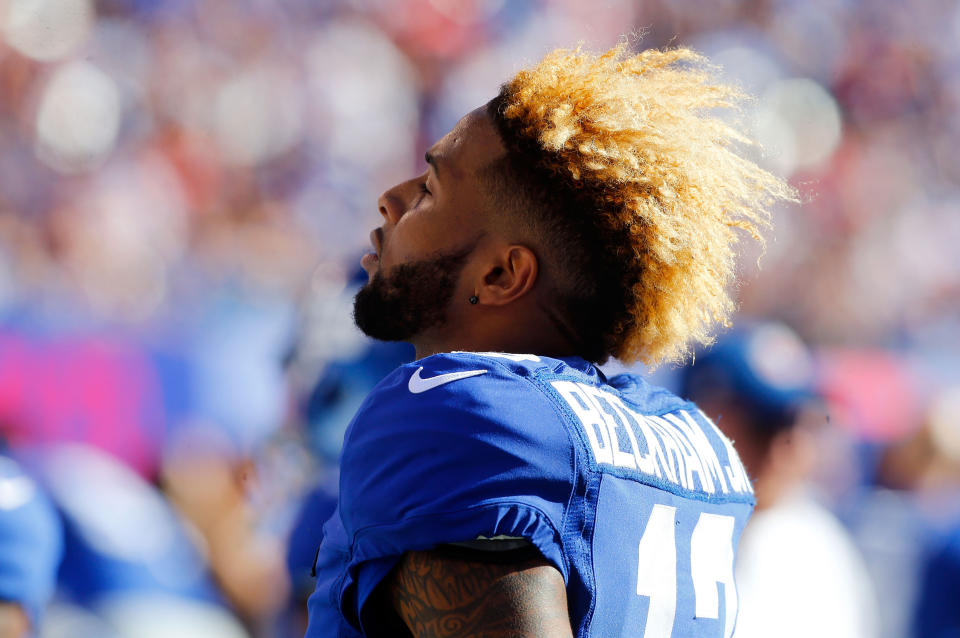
(412,299)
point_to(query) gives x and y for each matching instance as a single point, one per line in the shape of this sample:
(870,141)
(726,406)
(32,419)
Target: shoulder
(459,404)
(450,431)
(492,388)
(652,398)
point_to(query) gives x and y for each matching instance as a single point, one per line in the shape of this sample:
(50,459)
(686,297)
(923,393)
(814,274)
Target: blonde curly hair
(627,158)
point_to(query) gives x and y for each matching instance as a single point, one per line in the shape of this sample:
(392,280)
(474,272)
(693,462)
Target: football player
(501,484)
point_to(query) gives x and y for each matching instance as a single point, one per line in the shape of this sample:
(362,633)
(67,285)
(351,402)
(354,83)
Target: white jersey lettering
(673,447)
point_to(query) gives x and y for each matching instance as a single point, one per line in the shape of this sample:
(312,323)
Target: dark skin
(445,208)
(437,596)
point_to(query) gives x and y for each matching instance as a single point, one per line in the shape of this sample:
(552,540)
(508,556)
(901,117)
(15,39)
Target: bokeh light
(799,122)
(78,118)
(46,30)
(258,114)
(364,93)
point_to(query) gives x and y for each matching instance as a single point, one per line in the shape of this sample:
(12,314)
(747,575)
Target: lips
(371,259)
(368,261)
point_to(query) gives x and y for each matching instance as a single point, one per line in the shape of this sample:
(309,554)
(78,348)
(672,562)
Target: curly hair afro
(640,185)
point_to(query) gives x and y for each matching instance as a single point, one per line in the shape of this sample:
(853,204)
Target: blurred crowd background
(186,187)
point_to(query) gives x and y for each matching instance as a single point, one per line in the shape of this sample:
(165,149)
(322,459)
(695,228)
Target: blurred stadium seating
(186,187)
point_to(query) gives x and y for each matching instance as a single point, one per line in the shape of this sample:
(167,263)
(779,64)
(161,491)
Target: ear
(511,275)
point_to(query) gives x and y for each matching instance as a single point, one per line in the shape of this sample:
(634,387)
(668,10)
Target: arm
(439,595)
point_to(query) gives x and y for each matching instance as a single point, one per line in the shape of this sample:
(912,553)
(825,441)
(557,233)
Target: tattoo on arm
(439,596)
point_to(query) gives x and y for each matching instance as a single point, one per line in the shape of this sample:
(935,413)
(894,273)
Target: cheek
(415,241)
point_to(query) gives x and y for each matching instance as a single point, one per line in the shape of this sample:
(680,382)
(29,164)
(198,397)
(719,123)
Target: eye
(424,191)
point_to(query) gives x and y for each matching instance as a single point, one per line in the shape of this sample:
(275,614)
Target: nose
(393,204)
(395,201)
(390,206)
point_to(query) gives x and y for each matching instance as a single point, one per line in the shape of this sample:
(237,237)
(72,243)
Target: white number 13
(711,563)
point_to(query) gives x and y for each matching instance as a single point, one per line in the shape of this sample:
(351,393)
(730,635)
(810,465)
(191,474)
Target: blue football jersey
(629,491)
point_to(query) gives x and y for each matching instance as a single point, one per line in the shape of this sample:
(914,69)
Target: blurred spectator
(937,615)
(128,555)
(31,545)
(327,409)
(757,383)
(909,521)
(892,506)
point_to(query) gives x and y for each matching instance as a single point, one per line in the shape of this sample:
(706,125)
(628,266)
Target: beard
(410,300)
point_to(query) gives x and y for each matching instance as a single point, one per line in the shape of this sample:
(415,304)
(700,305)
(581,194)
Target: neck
(554,353)
(500,333)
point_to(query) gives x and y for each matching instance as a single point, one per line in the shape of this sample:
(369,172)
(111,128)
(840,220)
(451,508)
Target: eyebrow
(432,160)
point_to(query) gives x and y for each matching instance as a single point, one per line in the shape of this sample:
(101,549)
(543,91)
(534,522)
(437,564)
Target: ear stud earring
(474,300)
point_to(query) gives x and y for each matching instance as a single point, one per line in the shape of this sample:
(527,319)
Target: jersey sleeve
(446,458)
(31,541)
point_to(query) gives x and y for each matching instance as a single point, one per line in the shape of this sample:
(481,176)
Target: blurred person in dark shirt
(758,383)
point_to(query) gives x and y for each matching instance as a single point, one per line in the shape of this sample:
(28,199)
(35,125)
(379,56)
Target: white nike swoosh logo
(418,384)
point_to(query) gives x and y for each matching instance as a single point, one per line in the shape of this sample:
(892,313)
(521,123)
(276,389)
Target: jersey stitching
(589,515)
(588,619)
(574,438)
(573,466)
